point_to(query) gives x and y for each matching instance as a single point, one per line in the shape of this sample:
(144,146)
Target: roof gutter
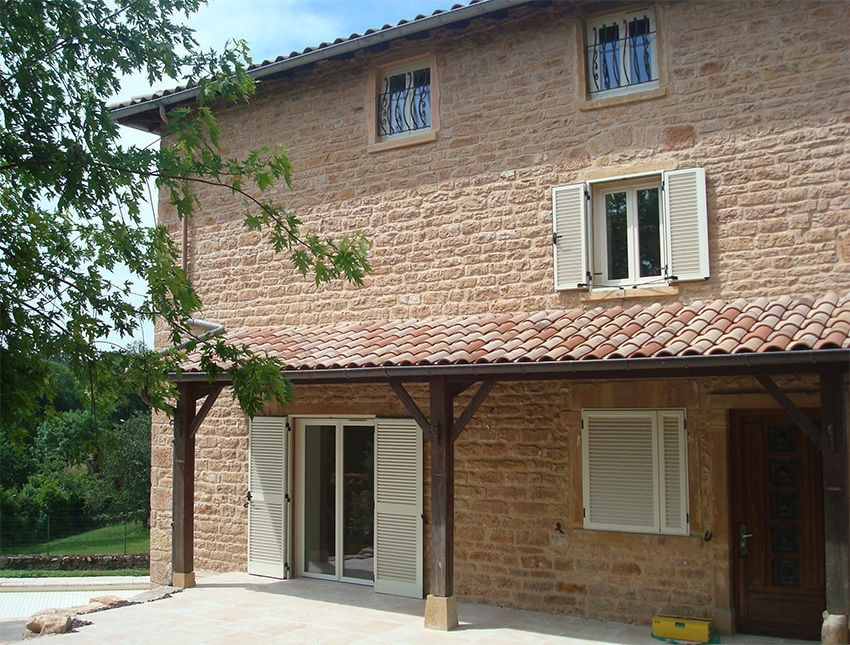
(714,365)
(347,46)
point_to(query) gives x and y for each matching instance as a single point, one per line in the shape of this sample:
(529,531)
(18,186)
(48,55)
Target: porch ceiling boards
(699,338)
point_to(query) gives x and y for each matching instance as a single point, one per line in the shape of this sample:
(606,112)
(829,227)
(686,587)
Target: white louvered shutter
(398,507)
(687,224)
(619,470)
(569,223)
(268,510)
(674,472)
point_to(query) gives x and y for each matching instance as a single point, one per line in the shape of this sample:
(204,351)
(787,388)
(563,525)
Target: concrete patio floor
(238,608)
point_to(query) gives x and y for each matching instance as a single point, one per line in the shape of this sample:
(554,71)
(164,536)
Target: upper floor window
(644,230)
(404,103)
(621,53)
(627,232)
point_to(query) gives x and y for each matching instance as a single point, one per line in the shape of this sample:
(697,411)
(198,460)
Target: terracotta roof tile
(670,330)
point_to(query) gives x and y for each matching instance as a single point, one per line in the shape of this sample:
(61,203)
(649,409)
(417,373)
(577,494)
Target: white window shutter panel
(687,224)
(569,224)
(619,470)
(398,507)
(674,473)
(268,510)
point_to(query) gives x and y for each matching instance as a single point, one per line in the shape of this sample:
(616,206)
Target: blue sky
(273,28)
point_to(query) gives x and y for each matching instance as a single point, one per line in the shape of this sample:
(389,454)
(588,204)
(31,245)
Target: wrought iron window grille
(404,105)
(617,62)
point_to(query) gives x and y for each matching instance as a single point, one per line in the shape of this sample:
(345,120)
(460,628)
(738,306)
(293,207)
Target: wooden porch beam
(800,420)
(471,408)
(415,412)
(835,491)
(183,492)
(205,408)
(459,387)
(442,491)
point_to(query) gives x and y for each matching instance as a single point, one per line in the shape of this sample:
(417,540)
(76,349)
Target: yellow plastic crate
(699,630)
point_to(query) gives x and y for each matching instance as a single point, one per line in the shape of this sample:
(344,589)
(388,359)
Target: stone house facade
(459,213)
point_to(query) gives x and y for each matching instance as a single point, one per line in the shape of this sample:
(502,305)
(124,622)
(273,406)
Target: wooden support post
(183,495)
(441,606)
(835,502)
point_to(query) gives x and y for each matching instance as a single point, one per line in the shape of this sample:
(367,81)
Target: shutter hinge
(286,497)
(584,512)
(687,518)
(586,285)
(286,566)
(288,427)
(582,424)
(662,185)
(555,238)
(586,194)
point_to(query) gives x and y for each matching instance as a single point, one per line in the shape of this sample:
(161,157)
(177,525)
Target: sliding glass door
(338,499)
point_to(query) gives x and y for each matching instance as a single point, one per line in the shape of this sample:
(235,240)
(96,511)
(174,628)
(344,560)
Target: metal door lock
(742,538)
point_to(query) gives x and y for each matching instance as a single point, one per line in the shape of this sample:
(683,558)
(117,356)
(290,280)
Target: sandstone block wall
(756,93)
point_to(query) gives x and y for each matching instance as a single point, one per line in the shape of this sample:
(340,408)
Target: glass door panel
(358,501)
(320,499)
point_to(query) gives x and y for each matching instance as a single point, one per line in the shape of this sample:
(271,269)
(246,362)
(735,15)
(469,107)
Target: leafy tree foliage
(76,465)
(70,197)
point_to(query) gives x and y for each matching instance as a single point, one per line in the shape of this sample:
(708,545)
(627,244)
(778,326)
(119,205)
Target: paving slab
(237,608)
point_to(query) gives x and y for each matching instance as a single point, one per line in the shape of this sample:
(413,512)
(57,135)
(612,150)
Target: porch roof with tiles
(654,335)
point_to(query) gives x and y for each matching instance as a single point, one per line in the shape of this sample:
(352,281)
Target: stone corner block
(834,630)
(440,613)
(183,580)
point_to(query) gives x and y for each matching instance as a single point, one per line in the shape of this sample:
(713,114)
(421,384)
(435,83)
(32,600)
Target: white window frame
(656,524)
(600,238)
(299,423)
(620,18)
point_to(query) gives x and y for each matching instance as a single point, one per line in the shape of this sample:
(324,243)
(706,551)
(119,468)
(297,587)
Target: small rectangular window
(635,470)
(621,52)
(404,102)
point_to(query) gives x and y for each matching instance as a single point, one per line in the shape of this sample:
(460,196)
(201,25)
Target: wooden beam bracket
(801,420)
(201,414)
(415,412)
(471,408)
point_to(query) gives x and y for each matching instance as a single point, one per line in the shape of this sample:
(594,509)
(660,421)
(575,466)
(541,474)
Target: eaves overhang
(125,111)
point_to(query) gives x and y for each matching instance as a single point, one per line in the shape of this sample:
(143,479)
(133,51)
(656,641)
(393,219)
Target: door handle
(742,538)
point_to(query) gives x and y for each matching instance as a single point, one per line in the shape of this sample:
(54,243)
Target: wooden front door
(777,544)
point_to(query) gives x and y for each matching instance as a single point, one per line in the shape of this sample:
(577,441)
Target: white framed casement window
(628,245)
(631,231)
(621,52)
(635,470)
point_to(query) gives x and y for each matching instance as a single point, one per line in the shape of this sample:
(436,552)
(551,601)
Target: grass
(105,540)
(76,573)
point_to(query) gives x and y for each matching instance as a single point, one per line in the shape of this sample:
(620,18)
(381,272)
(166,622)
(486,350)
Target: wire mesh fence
(72,532)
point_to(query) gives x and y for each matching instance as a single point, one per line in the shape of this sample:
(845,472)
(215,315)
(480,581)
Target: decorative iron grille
(616,61)
(404,105)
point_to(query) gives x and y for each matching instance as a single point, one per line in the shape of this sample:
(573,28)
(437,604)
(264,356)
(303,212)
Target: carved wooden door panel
(777,539)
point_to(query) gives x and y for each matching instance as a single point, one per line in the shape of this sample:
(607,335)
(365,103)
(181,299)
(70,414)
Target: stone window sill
(621,293)
(595,104)
(402,142)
